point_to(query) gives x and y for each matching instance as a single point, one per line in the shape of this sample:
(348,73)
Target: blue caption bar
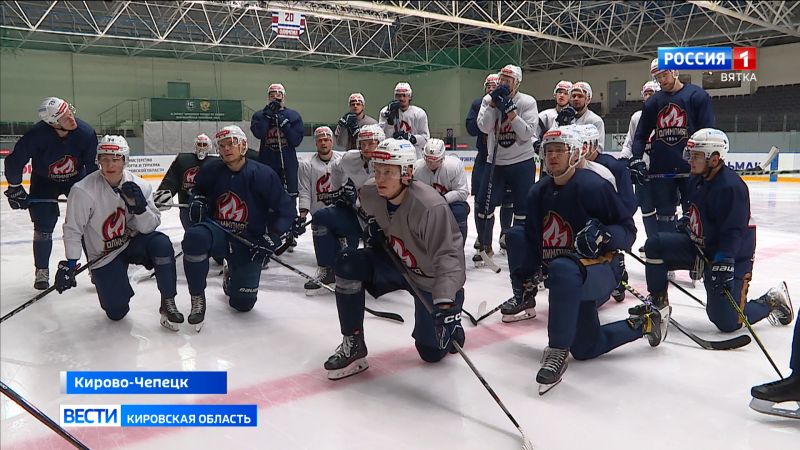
(189,416)
(695,58)
(144,382)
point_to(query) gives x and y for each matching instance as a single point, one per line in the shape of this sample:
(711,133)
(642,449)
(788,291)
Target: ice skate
(485,258)
(42,280)
(226,278)
(653,321)
(198,313)
(324,275)
(767,397)
(554,364)
(780,305)
(171,318)
(522,306)
(349,359)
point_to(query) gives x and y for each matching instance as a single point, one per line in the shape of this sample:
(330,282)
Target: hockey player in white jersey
(111,212)
(547,118)
(402,120)
(347,129)
(510,120)
(339,220)
(315,180)
(580,96)
(446,174)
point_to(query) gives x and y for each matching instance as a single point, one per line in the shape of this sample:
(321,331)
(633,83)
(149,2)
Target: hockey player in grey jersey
(580,98)
(412,220)
(402,120)
(547,118)
(446,174)
(347,129)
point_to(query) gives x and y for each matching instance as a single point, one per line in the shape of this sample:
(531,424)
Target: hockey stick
(488,204)
(47,200)
(773,152)
(247,243)
(526,443)
(728,344)
(472,319)
(41,417)
(672,282)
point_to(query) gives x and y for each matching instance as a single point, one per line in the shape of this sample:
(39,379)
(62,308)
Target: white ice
(675,396)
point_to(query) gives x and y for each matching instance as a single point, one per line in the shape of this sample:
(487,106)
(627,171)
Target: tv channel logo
(91,415)
(707,58)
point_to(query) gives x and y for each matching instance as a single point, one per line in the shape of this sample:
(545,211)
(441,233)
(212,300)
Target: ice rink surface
(675,396)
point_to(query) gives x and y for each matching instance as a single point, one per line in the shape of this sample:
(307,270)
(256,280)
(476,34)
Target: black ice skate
(324,275)
(522,306)
(350,358)
(171,318)
(554,364)
(780,305)
(767,396)
(503,248)
(42,280)
(226,277)
(198,312)
(652,320)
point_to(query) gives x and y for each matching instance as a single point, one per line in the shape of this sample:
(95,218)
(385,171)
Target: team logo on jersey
(64,169)
(671,124)
(405,255)
(404,126)
(231,211)
(442,190)
(114,230)
(557,237)
(272,139)
(188,178)
(324,183)
(507,136)
(696,225)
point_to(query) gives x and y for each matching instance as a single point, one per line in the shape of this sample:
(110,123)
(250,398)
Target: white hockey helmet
(52,108)
(202,146)
(276,87)
(512,71)
(708,141)
(113,145)
(403,88)
(582,86)
(233,132)
(356,97)
(650,86)
(323,132)
(433,150)
(396,152)
(491,80)
(563,84)
(590,133)
(565,134)
(372,132)
(654,68)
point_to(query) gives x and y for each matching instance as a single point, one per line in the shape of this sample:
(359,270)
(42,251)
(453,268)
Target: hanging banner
(288,25)
(195,109)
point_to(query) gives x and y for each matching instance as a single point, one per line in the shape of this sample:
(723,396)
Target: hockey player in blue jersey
(673,114)
(111,214)
(62,151)
(717,221)
(576,227)
(246,198)
(280,130)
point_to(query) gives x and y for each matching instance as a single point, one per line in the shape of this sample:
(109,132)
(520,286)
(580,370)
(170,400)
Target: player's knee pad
(196,241)
(42,236)
(430,354)
(653,250)
(160,247)
(117,313)
(564,269)
(352,264)
(242,303)
(44,216)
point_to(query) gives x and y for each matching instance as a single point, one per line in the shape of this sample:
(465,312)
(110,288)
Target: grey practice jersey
(450,179)
(343,139)
(350,167)
(514,138)
(547,120)
(627,147)
(314,177)
(590,118)
(97,215)
(424,234)
(414,121)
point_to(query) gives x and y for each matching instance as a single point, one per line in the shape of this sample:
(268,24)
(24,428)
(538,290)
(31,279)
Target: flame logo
(188,176)
(231,207)
(672,116)
(405,126)
(557,232)
(400,248)
(442,190)
(324,183)
(114,225)
(694,221)
(63,166)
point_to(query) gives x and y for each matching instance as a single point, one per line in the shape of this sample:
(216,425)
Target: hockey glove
(133,197)
(281,120)
(299,226)
(591,239)
(565,116)
(683,225)
(393,106)
(722,273)
(507,105)
(328,198)
(17,197)
(348,194)
(373,234)
(65,277)
(405,135)
(267,245)
(638,171)
(498,94)
(163,199)
(274,106)
(198,209)
(447,323)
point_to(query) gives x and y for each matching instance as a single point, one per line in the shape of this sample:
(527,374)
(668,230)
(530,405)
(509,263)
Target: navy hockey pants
(667,194)
(44,216)
(645,197)
(152,250)
(516,177)
(331,224)
(507,207)
(460,211)
(671,251)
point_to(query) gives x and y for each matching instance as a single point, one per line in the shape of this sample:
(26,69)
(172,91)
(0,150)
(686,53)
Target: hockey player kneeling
(412,220)
(112,212)
(577,227)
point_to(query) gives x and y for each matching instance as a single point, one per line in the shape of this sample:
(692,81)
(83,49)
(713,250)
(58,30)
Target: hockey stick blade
(728,344)
(482,308)
(489,262)
(470,316)
(773,152)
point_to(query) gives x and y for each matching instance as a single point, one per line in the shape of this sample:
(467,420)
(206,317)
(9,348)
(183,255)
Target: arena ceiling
(398,36)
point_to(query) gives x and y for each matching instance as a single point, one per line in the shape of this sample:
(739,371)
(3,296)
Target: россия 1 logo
(740,61)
